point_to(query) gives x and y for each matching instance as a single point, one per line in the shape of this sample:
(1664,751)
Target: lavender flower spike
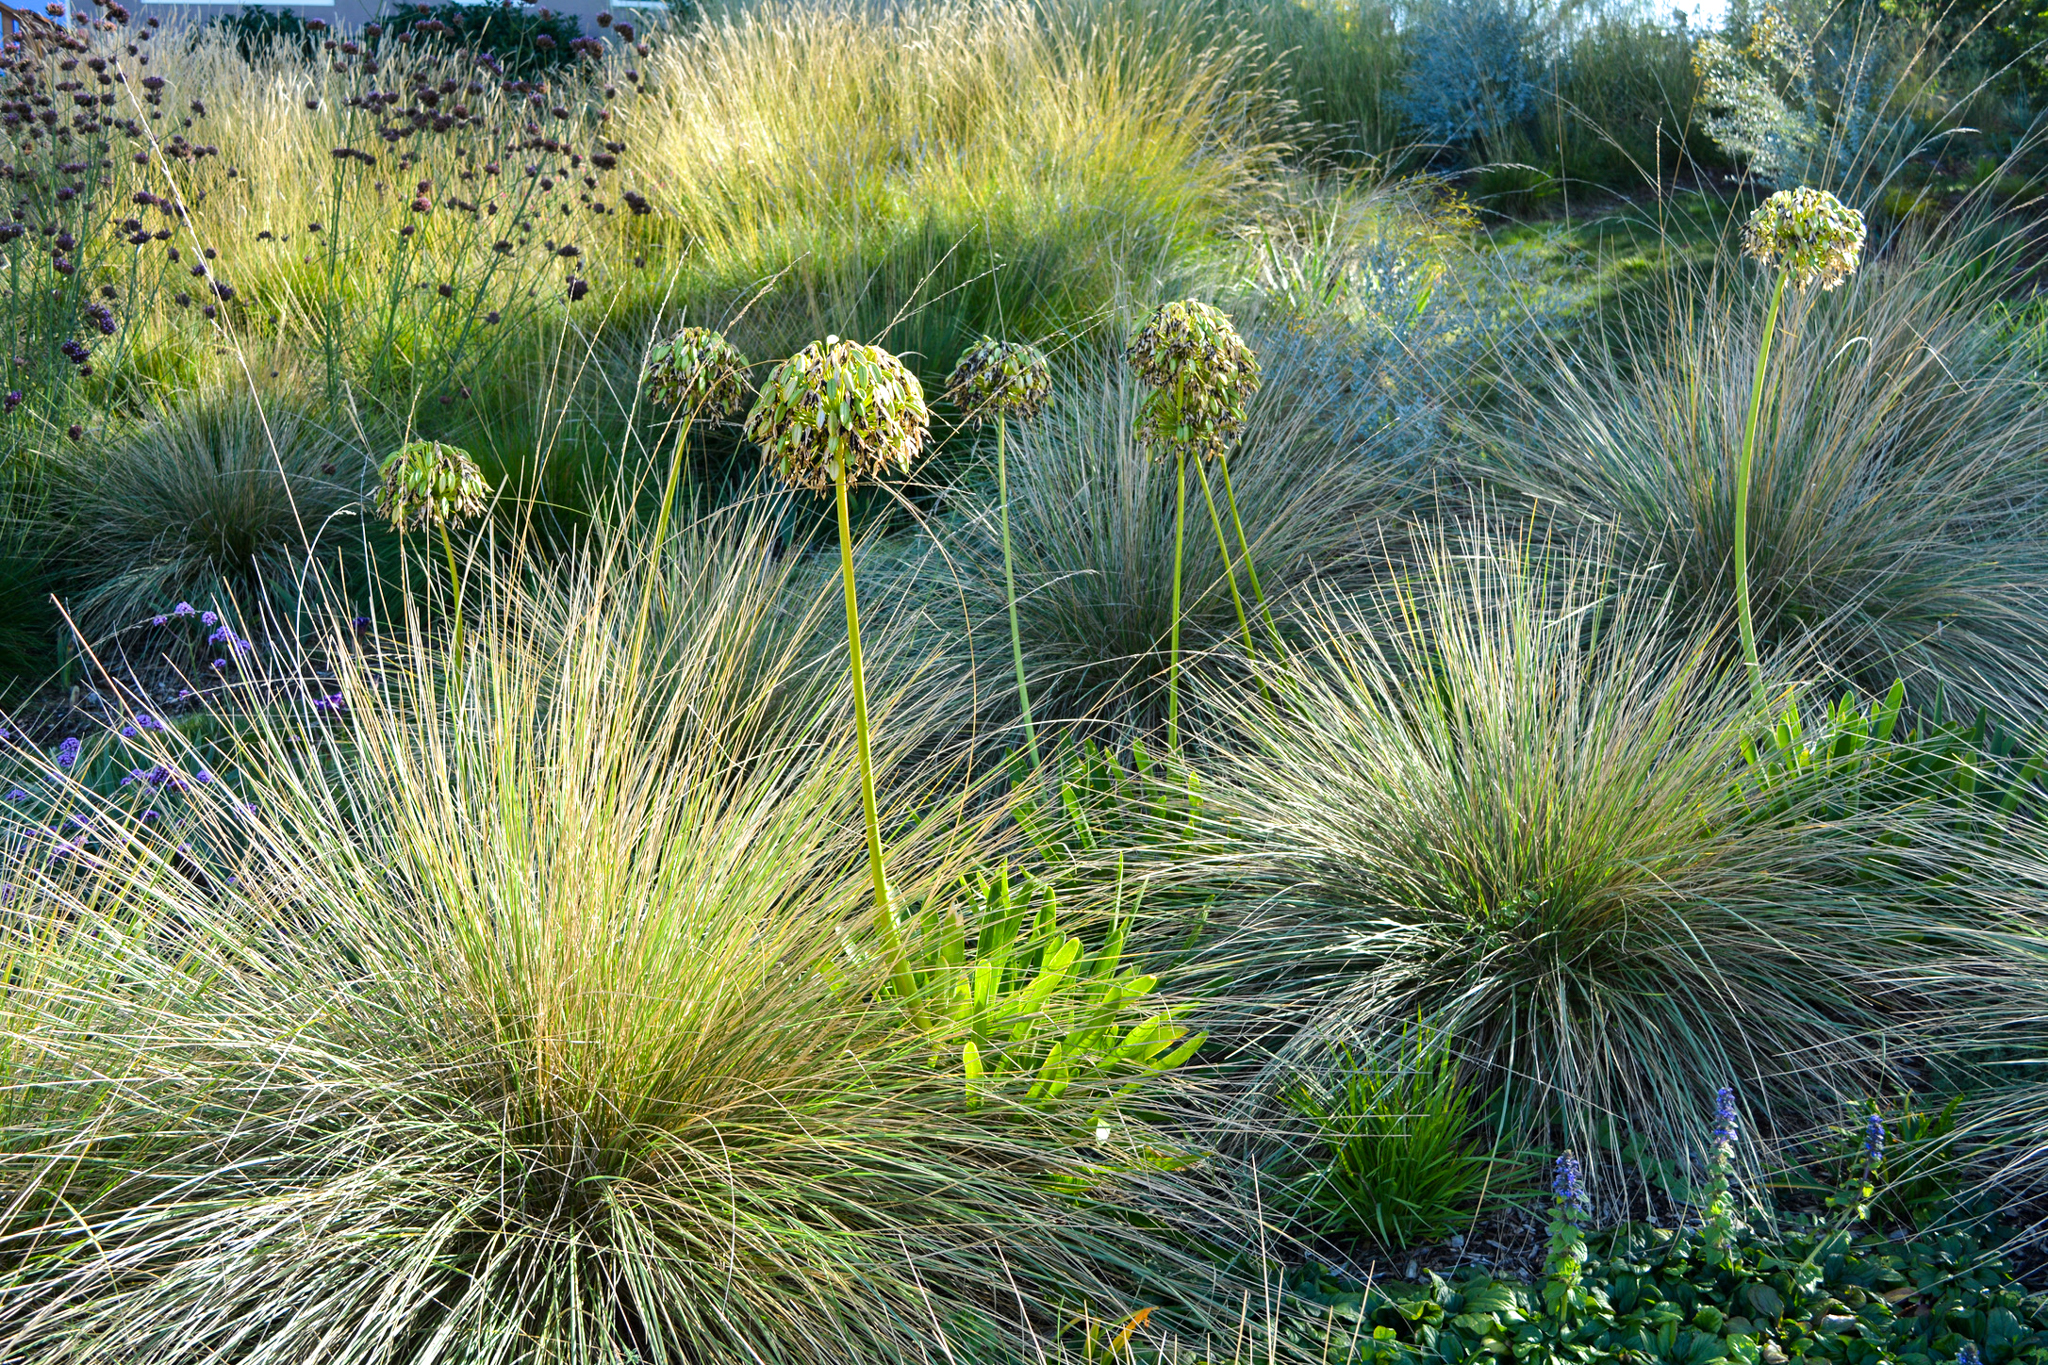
(1873,1138)
(1725,1123)
(1568,1185)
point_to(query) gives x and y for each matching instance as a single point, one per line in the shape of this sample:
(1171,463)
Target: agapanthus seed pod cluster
(699,371)
(998,379)
(1202,377)
(838,401)
(1809,234)
(430,483)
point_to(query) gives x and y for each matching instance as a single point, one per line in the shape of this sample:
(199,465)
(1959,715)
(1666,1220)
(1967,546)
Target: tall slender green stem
(1756,401)
(1229,560)
(1010,588)
(668,501)
(1180,518)
(1251,569)
(455,587)
(885,914)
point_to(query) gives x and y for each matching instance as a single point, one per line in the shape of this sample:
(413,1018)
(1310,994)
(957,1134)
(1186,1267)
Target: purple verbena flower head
(129,732)
(333,701)
(184,609)
(145,721)
(155,778)
(202,777)
(67,752)
(159,620)
(17,795)
(1568,1184)
(361,624)
(1873,1138)
(207,618)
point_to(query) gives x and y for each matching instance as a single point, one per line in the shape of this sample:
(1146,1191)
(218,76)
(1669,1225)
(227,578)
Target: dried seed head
(838,401)
(427,483)
(700,370)
(997,379)
(1202,376)
(1809,234)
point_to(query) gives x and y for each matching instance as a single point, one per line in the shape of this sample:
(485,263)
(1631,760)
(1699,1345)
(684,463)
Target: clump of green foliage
(1394,1147)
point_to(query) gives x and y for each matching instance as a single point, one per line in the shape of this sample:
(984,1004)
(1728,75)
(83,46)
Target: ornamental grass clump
(429,484)
(1512,797)
(834,412)
(214,491)
(996,381)
(1202,377)
(1897,488)
(425,1060)
(1809,237)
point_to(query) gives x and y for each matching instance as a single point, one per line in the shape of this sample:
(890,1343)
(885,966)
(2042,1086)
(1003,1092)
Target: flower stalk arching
(696,372)
(1809,237)
(994,381)
(426,484)
(1202,376)
(830,413)
(1251,569)
(1229,567)
(1745,618)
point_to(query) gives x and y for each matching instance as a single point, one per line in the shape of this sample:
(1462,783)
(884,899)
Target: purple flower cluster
(157,777)
(67,752)
(333,701)
(1567,1182)
(1873,1138)
(1725,1126)
(17,795)
(143,721)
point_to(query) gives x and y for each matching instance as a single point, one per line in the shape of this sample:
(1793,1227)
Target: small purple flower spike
(1568,1185)
(1725,1122)
(184,609)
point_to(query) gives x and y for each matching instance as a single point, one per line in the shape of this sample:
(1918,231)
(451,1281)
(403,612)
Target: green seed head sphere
(1202,376)
(838,400)
(427,483)
(700,370)
(997,379)
(1809,234)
